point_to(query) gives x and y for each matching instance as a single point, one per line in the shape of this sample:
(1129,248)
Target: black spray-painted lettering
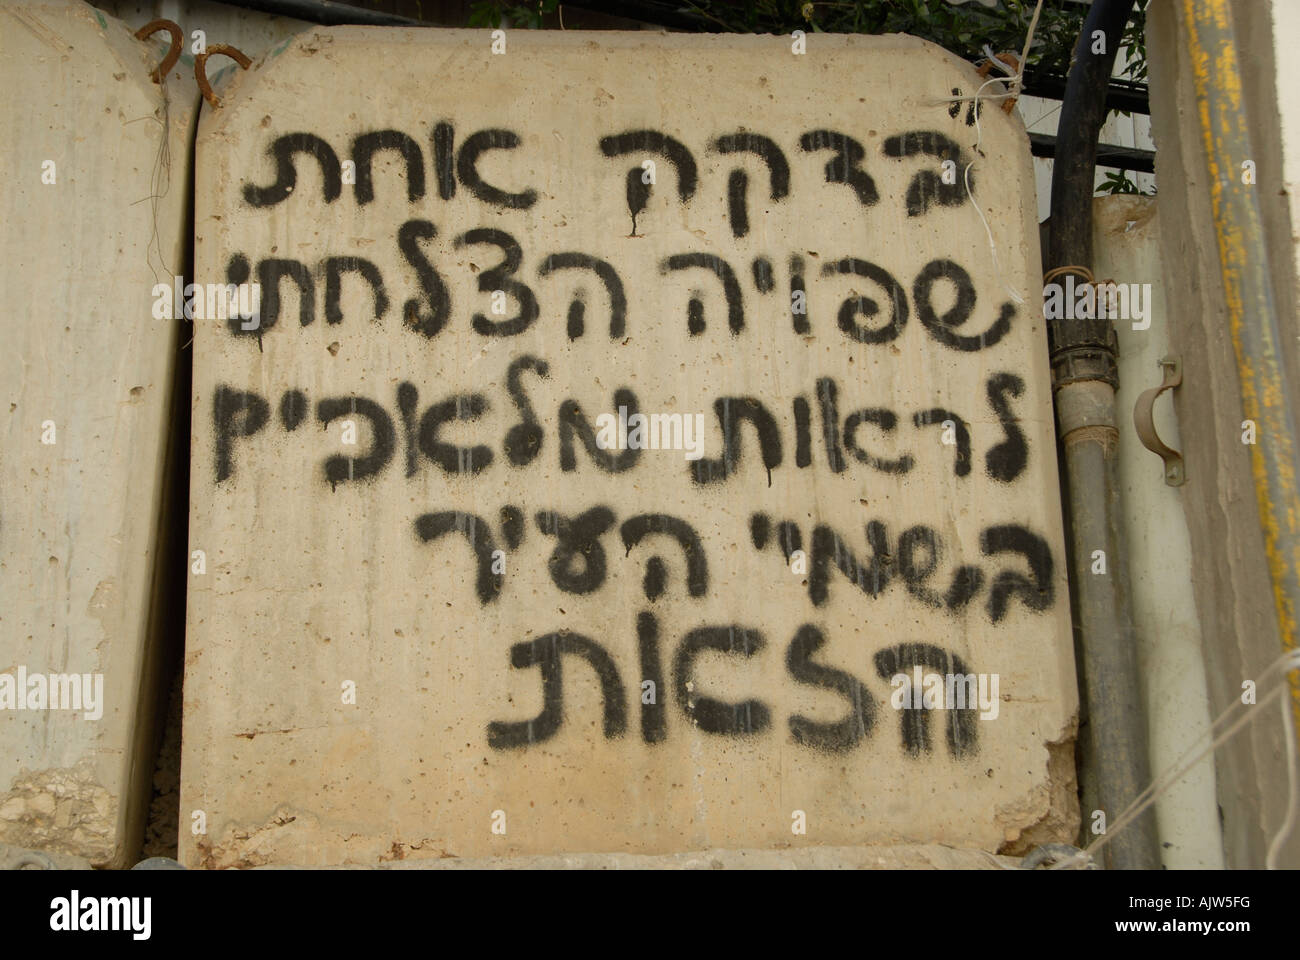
(339,469)
(637,528)
(444,147)
(778,170)
(524,440)
(639,143)
(293,409)
(886,420)
(834,736)
(574,421)
(499,277)
(1038,593)
(364,148)
(613,289)
(512,526)
(927,188)
(710,715)
(730,289)
(577,541)
(436,298)
(408,401)
(799,297)
(802,432)
(1006,460)
(829,404)
(282,151)
(546,652)
(452,458)
(235,413)
(960,724)
(731,411)
(335,267)
(467,169)
(828,548)
(431,526)
(269,274)
(920,551)
(867,307)
(943,328)
(654,707)
(843,167)
(961,434)
(914,569)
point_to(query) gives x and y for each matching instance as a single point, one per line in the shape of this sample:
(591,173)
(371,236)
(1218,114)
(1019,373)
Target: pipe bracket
(1144,422)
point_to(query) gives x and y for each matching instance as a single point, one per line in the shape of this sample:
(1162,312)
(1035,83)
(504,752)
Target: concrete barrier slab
(454,602)
(97,172)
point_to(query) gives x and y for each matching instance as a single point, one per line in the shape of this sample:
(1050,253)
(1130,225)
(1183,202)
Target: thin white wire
(1292,776)
(1029,37)
(1286,663)
(988,231)
(997,64)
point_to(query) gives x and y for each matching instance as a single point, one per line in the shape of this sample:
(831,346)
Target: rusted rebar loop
(173,52)
(201,73)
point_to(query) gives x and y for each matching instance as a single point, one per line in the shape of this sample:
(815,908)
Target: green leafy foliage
(963,29)
(498,13)
(1135,39)
(1117,181)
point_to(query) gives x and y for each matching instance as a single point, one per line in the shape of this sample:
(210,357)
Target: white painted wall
(1126,245)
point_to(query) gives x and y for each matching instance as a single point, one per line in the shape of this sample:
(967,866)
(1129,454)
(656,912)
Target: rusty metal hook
(1143,420)
(173,52)
(201,71)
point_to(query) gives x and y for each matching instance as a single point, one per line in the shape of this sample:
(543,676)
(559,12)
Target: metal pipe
(1108,154)
(327,12)
(1085,376)
(1123,95)
(1252,315)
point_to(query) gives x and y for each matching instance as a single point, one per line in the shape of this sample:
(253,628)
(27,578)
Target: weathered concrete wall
(87,373)
(1234,593)
(450,637)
